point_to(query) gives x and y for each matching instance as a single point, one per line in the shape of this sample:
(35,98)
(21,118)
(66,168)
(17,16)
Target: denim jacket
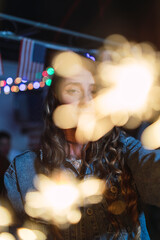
(145,167)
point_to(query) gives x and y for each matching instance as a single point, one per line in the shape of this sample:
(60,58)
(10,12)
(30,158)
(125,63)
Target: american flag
(1,66)
(31,60)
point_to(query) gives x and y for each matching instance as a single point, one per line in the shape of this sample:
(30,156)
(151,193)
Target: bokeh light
(59,197)
(50,71)
(6,236)
(18,80)
(6,218)
(44,74)
(9,81)
(38,75)
(22,87)
(2,83)
(14,89)
(48,82)
(67,64)
(29,234)
(7,89)
(36,85)
(30,86)
(24,80)
(42,84)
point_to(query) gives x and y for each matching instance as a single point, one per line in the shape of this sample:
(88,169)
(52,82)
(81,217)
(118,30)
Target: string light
(22,87)
(38,75)
(2,83)
(24,80)
(9,81)
(48,82)
(90,56)
(42,84)
(44,74)
(36,85)
(14,89)
(24,84)
(7,89)
(50,71)
(18,80)
(30,86)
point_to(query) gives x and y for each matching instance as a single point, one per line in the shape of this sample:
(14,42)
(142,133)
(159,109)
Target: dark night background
(137,20)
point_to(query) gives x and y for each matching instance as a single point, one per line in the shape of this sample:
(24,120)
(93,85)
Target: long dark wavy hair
(106,155)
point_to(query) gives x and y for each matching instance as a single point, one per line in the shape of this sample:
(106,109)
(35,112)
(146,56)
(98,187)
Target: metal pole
(11,36)
(52,28)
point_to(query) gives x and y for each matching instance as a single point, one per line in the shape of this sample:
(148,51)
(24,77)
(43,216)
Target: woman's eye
(94,91)
(73,91)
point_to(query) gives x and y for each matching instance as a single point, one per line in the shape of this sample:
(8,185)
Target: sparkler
(58,198)
(128,78)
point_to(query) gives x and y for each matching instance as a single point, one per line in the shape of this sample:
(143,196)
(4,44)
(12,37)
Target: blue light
(24,80)
(22,87)
(36,85)
(9,81)
(87,55)
(6,89)
(92,58)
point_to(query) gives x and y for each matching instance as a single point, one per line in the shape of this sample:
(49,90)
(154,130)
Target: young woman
(131,172)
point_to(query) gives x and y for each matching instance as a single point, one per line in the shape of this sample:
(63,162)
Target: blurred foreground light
(6,236)
(61,113)
(59,197)
(151,136)
(28,234)
(7,89)
(67,64)
(74,216)
(18,80)
(9,81)
(5,217)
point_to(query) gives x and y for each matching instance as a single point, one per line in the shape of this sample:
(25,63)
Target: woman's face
(78,89)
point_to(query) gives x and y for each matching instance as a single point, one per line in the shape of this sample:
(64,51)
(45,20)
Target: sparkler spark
(60,197)
(128,75)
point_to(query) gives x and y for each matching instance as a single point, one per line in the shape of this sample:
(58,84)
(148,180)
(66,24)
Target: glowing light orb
(6,236)
(6,218)
(38,75)
(44,74)
(18,80)
(22,87)
(2,83)
(48,82)
(7,89)
(50,71)
(42,84)
(9,81)
(24,80)
(36,85)
(30,86)
(14,89)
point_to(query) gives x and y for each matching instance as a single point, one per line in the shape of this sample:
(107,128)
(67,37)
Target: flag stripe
(31,60)
(1,66)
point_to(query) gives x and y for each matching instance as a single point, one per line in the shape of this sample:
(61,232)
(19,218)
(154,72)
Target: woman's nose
(85,99)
